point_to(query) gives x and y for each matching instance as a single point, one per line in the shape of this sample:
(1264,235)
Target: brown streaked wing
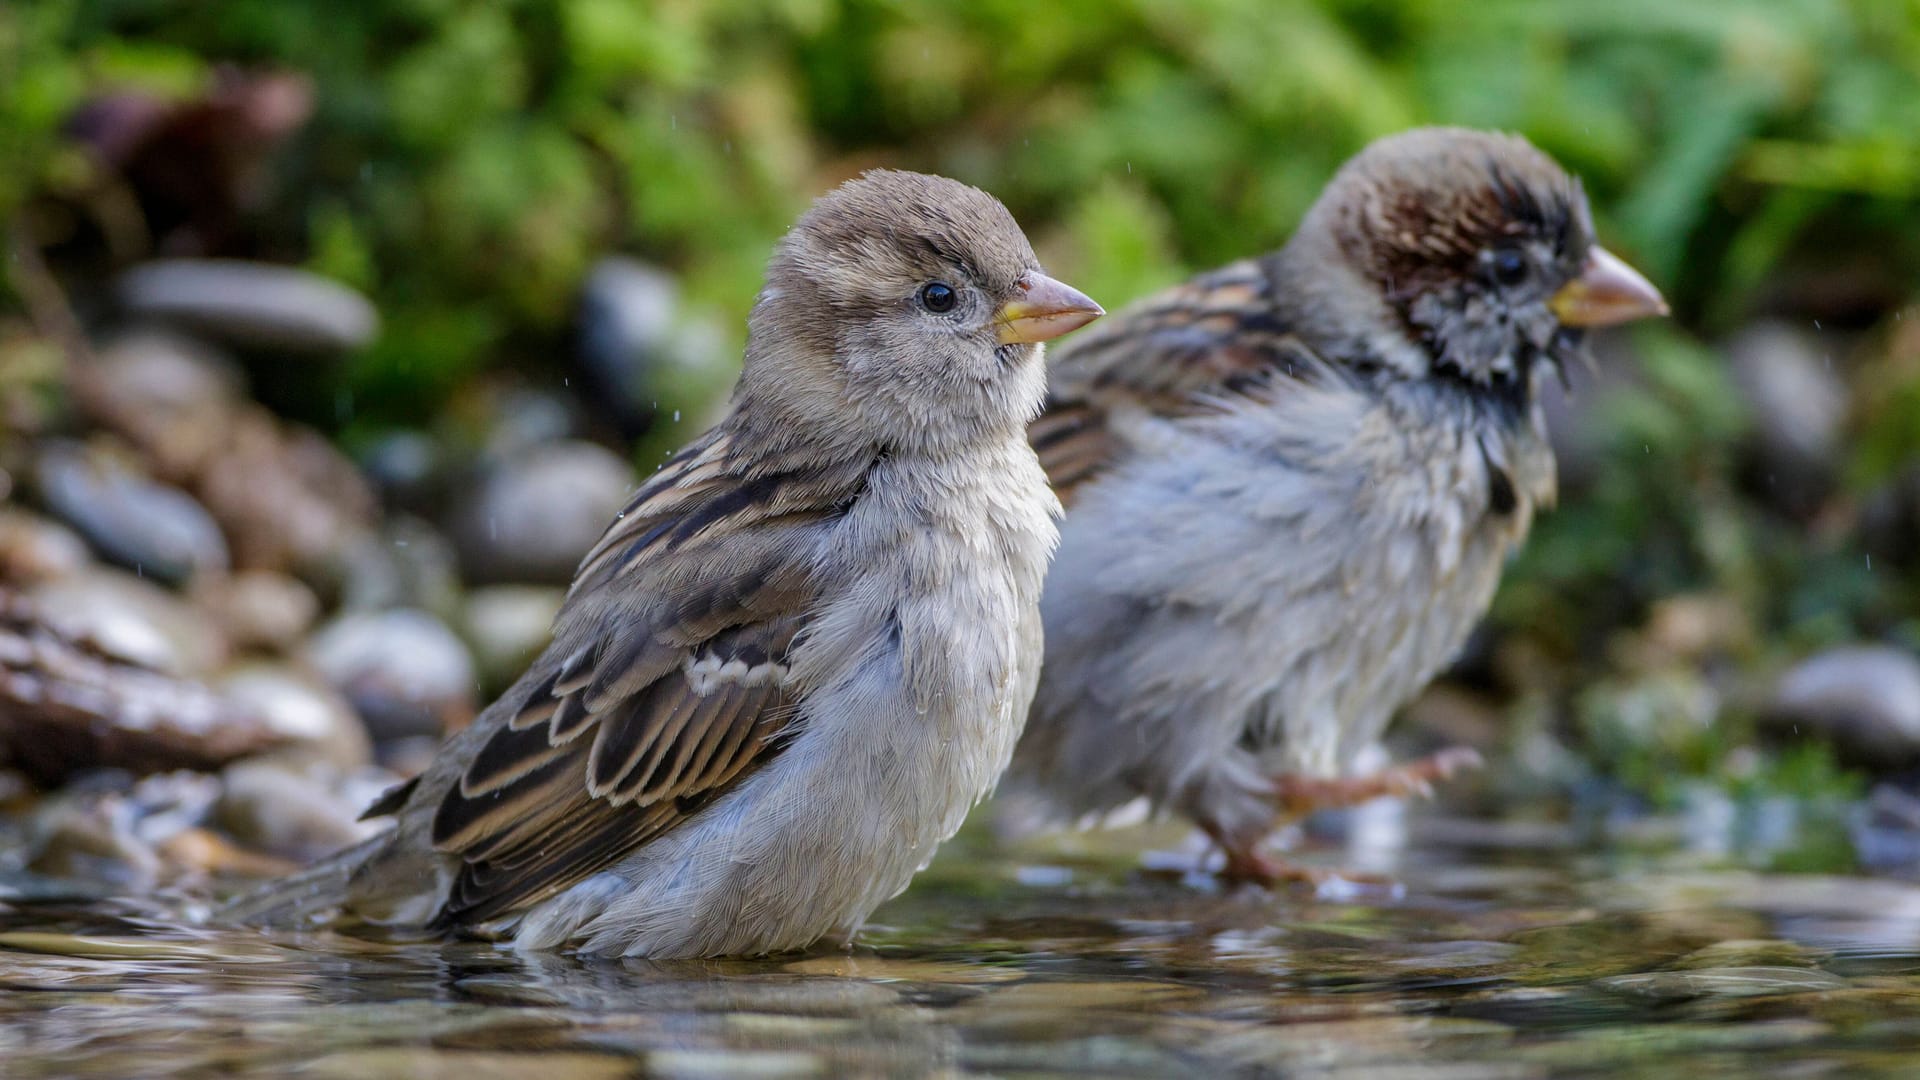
(531,817)
(1214,335)
(665,704)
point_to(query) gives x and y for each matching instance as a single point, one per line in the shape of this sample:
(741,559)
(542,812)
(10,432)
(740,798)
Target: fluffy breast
(1279,576)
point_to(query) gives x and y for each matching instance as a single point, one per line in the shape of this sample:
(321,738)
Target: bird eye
(937,297)
(1509,266)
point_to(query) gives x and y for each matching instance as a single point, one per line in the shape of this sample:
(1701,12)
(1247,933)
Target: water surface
(1514,951)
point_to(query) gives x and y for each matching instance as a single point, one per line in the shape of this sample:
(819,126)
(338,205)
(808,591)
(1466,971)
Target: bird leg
(1247,864)
(1301,795)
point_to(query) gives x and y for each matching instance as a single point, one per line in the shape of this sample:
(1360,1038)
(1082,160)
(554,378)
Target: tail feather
(307,896)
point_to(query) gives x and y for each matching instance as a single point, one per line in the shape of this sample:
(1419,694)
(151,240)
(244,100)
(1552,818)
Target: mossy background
(469,159)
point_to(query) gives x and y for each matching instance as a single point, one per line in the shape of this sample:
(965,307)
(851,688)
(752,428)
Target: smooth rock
(409,470)
(524,419)
(123,617)
(251,304)
(128,517)
(531,518)
(315,725)
(289,812)
(403,670)
(170,395)
(285,497)
(33,548)
(111,833)
(507,626)
(1799,406)
(407,564)
(1723,982)
(1864,698)
(68,703)
(626,319)
(257,609)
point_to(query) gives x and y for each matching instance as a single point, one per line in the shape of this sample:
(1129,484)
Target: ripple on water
(1532,959)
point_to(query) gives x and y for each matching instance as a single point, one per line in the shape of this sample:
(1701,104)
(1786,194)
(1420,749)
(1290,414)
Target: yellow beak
(1606,293)
(1044,310)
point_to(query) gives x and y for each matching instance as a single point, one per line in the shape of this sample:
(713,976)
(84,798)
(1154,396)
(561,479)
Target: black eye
(937,297)
(1509,266)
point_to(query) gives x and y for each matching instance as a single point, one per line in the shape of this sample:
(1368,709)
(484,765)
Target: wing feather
(1168,355)
(668,681)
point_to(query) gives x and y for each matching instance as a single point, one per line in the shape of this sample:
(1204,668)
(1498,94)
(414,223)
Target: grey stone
(532,517)
(626,318)
(251,304)
(403,670)
(507,626)
(313,723)
(1799,406)
(1865,698)
(129,518)
(127,619)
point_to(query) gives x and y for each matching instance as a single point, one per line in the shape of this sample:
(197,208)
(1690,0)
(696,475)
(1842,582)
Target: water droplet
(676,416)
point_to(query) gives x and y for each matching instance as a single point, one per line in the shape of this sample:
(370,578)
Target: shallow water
(1514,951)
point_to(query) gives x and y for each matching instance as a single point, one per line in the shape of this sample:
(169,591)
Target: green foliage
(476,154)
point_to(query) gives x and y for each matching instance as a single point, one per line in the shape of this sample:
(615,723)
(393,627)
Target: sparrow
(1292,483)
(801,653)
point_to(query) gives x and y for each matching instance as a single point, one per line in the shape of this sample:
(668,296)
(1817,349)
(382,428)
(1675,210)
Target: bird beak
(1607,292)
(1044,310)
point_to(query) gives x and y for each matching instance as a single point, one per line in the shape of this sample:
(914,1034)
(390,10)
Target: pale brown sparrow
(803,651)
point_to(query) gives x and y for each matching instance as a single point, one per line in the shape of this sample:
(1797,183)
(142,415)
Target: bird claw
(1255,867)
(1303,794)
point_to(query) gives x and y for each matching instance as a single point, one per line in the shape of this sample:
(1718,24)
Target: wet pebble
(105,833)
(736,1063)
(33,548)
(507,626)
(403,670)
(251,304)
(257,609)
(406,564)
(437,1064)
(531,518)
(1864,698)
(1754,952)
(626,319)
(98,947)
(1799,405)
(523,419)
(130,518)
(285,497)
(168,394)
(132,620)
(67,704)
(408,468)
(294,813)
(313,723)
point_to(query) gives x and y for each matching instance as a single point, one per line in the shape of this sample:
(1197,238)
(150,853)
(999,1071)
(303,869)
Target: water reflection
(1513,953)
